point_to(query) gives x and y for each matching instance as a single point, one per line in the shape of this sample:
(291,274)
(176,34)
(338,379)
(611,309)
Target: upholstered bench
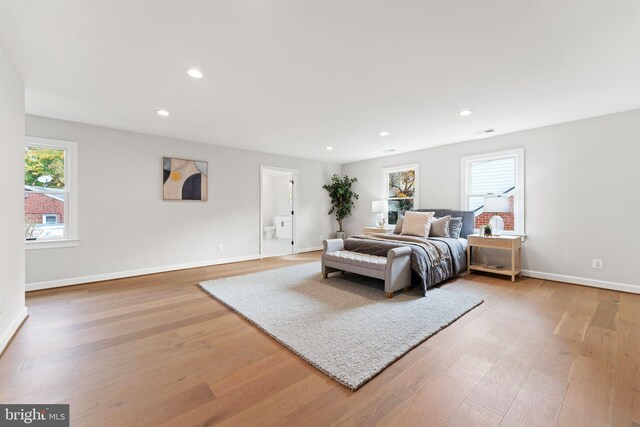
(394,269)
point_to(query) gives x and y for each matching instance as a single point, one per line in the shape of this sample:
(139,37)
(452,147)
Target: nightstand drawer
(499,242)
(378,230)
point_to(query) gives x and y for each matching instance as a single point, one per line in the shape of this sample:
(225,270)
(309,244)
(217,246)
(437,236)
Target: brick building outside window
(39,207)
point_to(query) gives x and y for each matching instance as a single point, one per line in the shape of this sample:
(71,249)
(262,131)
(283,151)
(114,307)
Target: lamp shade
(497,204)
(378,206)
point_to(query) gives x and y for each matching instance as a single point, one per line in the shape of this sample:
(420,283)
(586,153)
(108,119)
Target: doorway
(278,199)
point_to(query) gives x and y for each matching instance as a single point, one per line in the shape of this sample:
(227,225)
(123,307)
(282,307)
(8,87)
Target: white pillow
(417,223)
(440,226)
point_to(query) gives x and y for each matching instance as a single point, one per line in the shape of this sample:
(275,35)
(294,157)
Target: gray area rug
(344,325)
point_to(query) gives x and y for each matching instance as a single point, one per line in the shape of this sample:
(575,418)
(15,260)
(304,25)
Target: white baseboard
(300,251)
(614,286)
(141,272)
(311,249)
(15,325)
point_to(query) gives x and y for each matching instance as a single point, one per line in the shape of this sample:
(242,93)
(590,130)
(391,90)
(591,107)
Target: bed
(433,259)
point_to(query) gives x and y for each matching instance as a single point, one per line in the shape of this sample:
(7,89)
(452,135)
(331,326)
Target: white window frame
(518,213)
(71,194)
(385,184)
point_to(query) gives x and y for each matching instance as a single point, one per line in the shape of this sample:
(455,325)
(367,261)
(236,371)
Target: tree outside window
(400,190)
(44,192)
(41,162)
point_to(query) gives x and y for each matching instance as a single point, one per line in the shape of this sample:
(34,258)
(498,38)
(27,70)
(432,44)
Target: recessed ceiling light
(329,148)
(465,113)
(384,133)
(163,113)
(195,73)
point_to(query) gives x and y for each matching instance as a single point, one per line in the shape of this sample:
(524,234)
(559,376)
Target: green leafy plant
(488,230)
(39,162)
(342,197)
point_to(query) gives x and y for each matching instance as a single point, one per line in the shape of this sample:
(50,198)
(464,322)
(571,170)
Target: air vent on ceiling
(485,131)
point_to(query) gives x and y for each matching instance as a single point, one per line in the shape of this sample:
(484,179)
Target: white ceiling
(294,76)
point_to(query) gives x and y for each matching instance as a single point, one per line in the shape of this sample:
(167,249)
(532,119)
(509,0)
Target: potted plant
(31,232)
(342,199)
(487,230)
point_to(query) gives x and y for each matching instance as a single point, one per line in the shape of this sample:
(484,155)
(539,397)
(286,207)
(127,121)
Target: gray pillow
(399,224)
(440,227)
(455,227)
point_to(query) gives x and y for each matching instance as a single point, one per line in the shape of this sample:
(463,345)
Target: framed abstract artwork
(184,179)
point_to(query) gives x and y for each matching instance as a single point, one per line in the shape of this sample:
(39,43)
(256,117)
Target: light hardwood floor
(156,350)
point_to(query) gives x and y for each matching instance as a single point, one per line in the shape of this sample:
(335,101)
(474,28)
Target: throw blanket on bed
(432,260)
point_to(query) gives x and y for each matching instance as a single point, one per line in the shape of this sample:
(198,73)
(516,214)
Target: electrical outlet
(597,263)
(220,247)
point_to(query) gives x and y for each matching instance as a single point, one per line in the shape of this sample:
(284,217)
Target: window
(50,202)
(50,219)
(498,175)
(399,189)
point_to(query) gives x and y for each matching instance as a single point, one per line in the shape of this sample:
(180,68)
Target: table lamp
(379,207)
(497,204)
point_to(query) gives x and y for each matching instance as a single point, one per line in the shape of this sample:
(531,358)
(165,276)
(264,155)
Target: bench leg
(325,275)
(388,294)
(343,272)
(406,288)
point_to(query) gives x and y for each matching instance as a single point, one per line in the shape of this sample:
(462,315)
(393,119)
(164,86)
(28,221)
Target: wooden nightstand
(508,243)
(388,229)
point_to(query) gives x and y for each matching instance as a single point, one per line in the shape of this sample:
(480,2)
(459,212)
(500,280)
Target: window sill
(50,244)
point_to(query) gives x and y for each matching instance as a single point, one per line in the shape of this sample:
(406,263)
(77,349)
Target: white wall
(268,199)
(125,227)
(582,195)
(582,200)
(12,308)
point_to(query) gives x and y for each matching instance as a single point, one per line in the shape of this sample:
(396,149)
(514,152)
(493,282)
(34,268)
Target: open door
(277,211)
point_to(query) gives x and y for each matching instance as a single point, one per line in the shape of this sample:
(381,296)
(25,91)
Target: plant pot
(340,235)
